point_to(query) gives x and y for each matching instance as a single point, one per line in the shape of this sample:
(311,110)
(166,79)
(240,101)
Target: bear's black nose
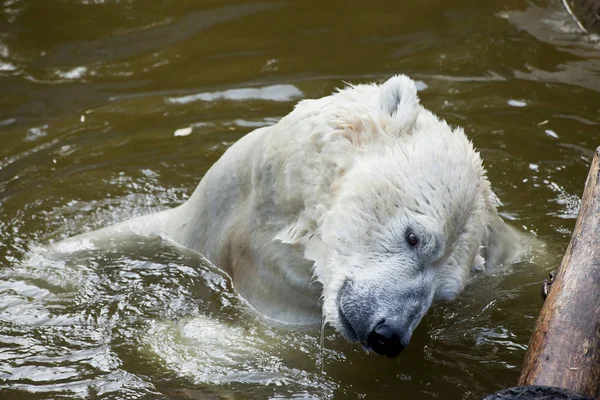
(385,340)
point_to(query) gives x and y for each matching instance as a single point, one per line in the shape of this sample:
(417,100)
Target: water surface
(111,109)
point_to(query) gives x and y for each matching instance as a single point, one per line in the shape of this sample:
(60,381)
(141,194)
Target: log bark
(564,350)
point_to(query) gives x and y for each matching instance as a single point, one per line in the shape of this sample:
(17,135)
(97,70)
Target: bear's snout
(379,318)
(387,340)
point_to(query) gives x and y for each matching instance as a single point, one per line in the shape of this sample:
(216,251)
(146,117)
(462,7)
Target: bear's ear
(398,97)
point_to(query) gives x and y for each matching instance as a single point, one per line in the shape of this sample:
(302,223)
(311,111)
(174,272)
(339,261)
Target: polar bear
(361,207)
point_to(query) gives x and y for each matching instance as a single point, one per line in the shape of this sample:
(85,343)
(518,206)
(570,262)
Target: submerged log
(586,13)
(564,350)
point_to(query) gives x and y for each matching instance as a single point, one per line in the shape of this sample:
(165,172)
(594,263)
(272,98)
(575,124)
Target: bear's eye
(412,239)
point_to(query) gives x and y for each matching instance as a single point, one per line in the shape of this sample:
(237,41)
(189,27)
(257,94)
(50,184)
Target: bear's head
(407,219)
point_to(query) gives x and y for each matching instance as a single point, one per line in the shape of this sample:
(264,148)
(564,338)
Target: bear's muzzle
(378,318)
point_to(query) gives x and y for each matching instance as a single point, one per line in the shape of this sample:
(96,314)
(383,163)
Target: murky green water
(91,95)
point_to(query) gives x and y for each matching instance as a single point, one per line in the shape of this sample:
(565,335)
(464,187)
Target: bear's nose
(385,340)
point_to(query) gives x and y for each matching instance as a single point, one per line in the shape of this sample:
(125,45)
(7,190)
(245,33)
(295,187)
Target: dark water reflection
(110,109)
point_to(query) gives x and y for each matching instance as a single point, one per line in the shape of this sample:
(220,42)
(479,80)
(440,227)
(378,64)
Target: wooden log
(586,13)
(564,350)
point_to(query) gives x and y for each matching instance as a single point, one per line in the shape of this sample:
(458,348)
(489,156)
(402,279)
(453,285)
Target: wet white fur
(326,194)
